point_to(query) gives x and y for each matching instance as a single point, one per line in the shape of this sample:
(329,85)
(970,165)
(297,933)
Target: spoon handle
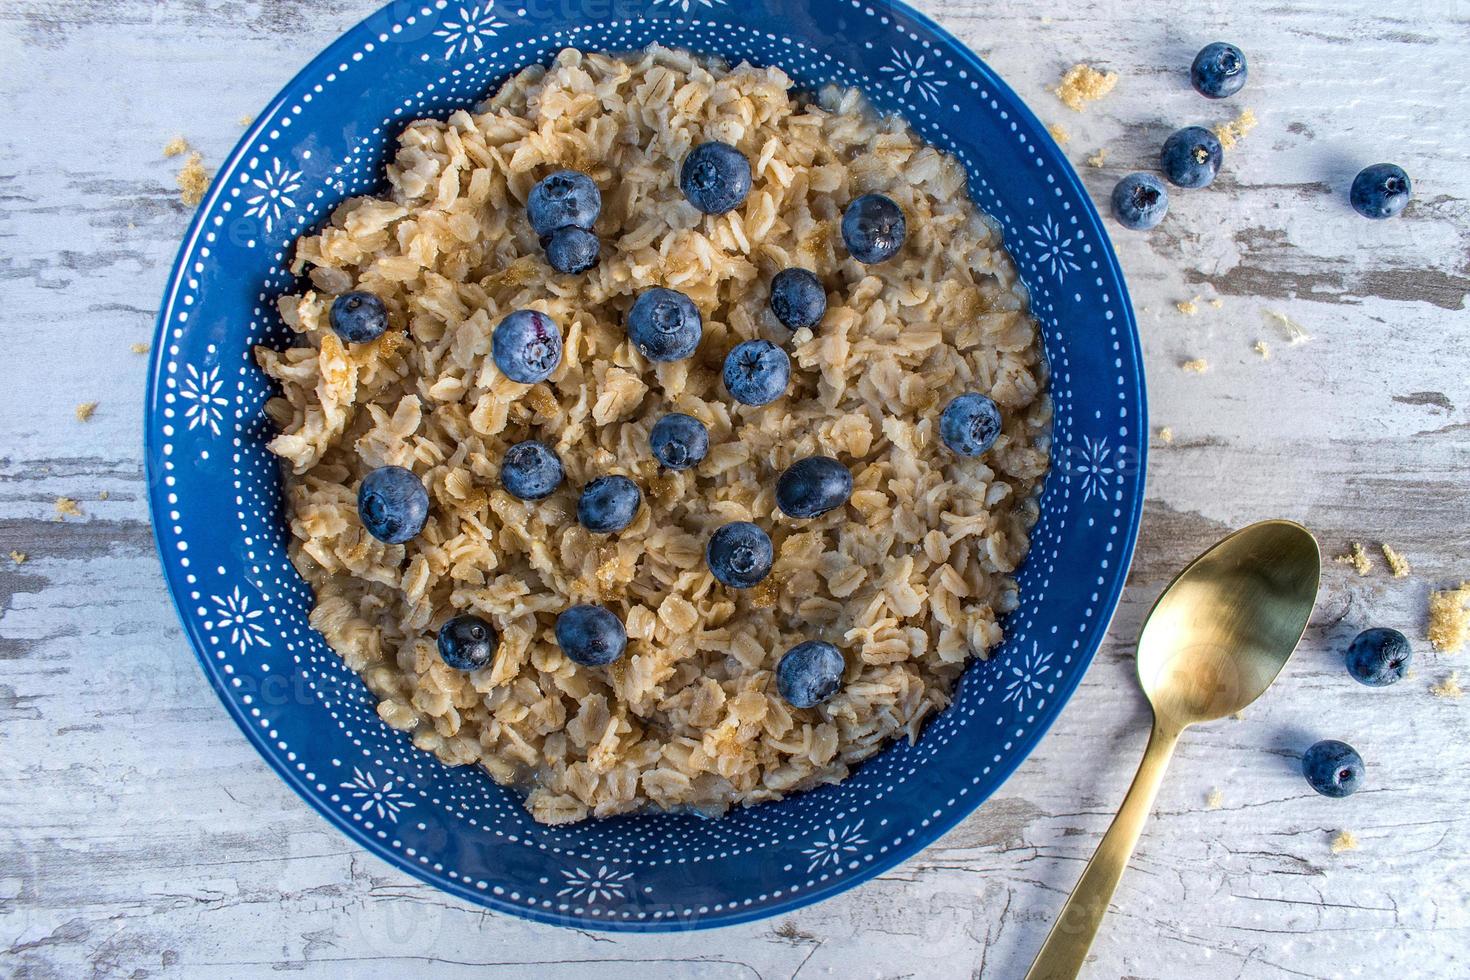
(1071,935)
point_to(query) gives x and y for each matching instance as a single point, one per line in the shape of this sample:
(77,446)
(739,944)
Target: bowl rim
(1131,519)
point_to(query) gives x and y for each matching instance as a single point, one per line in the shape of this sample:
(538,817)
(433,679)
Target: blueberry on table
(797,298)
(810,487)
(608,504)
(1191,157)
(810,673)
(530,470)
(757,372)
(392,504)
(567,198)
(591,635)
(1379,656)
(1381,191)
(359,317)
(679,441)
(572,250)
(1140,201)
(1219,70)
(970,424)
(527,346)
(664,324)
(467,642)
(1333,768)
(715,177)
(739,554)
(873,228)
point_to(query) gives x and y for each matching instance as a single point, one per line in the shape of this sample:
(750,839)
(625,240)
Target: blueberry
(664,324)
(715,177)
(970,424)
(530,470)
(1379,656)
(1140,201)
(527,346)
(359,317)
(590,635)
(608,504)
(1218,71)
(757,372)
(873,228)
(1381,191)
(564,198)
(810,673)
(467,642)
(797,298)
(393,504)
(572,249)
(813,486)
(1333,768)
(1191,157)
(739,554)
(679,441)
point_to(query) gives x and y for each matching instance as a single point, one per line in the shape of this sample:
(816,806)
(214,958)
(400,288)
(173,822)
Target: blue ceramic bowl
(216,493)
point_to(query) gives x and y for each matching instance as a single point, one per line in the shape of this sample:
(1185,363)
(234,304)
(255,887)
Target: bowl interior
(215,490)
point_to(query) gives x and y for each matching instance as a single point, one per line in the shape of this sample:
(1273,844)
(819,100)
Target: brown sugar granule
(1098,158)
(246,119)
(1356,556)
(767,592)
(1449,621)
(104,495)
(1215,800)
(175,146)
(1232,132)
(67,507)
(139,348)
(1263,349)
(1083,84)
(1166,435)
(193,180)
(1397,563)
(1197,365)
(1217,302)
(1344,841)
(1294,332)
(1059,134)
(1189,307)
(85,410)
(1449,687)
(19,557)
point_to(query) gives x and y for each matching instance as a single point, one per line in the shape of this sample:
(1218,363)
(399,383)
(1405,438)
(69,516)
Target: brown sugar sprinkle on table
(1449,687)
(1449,620)
(19,557)
(67,507)
(1197,365)
(1098,158)
(1083,84)
(175,146)
(1397,563)
(1357,557)
(1189,307)
(193,180)
(85,410)
(1344,841)
(139,348)
(1232,132)
(1059,134)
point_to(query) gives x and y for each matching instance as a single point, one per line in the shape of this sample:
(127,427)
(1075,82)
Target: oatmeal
(905,577)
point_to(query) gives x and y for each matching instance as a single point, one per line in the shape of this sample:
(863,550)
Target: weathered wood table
(140,836)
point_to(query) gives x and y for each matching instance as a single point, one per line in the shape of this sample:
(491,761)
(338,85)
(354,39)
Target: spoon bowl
(1223,629)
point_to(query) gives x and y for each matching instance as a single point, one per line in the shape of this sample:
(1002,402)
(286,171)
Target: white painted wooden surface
(140,835)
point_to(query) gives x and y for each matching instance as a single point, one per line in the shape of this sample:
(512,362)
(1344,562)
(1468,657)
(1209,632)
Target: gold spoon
(1212,644)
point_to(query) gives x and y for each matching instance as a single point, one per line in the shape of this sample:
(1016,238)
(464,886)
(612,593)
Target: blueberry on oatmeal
(1379,656)
(572,250)
(715,177)
(970,424)
(392,504)
(873,228)
(467,642)
(1333,768)
(756,372)
(739,554)
(1219,70)
(797,298)
(1381,191)
(679,441)
(590,635)
(809,673)
(608,504)
(1140,201)
(1191,157)
(530,470)
(359,317)
(567,198)
(527,346)
(811,487)
(664,324)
